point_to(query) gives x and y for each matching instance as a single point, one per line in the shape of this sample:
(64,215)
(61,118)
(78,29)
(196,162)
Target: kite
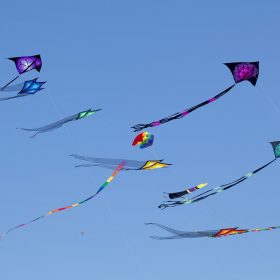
(112,163)
(241,71)
(24,64)
(60,123)
(144,140)
(110,179)
(178,234)
(29,88)
(216,190)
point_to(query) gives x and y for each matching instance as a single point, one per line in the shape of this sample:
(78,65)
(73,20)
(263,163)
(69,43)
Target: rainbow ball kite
(144,140)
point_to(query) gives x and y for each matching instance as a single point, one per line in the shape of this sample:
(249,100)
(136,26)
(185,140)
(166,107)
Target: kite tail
(177,194)
(186,191)
(27,129)
(12,97)
(215,190)
(35,134)
(71,205)
(9,83)
(171,204)
(182,114)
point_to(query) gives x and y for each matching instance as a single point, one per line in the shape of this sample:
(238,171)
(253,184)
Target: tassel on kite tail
(182,114)
(110,179)
(213,191)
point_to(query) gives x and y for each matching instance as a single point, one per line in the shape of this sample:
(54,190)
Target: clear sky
(139,61)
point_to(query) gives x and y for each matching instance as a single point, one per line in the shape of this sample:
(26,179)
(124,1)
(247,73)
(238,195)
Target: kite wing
(27,63)
(244,71)
(111,163)
(60,123)
(29,88)
(276,148)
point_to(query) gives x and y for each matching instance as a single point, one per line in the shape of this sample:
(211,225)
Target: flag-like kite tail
(110,179)
(187,191)
(216,190)
(24,64)
(241,71)
(178,234)
(60,123)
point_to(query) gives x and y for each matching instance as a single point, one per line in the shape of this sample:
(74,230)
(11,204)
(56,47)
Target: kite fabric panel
(104,185)
(24,64)
(60,123)
(241,71)
(216,190)
(178,234)
(143,140)
(187,191)
(27,63)
(28,88)
(112,163)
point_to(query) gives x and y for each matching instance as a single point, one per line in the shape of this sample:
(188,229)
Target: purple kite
(241,71)
(24,64)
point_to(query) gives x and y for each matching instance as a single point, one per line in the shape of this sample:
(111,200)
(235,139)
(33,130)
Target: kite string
(269,98)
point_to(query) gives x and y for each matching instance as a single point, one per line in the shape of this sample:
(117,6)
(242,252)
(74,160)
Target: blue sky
(139,61)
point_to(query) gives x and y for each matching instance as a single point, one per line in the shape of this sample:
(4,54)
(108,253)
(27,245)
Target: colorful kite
(178,234)
(144,140)
(28,88)
(72,205)
(241,71)
(112,163)
(216,190)
(60,123)
(25,64)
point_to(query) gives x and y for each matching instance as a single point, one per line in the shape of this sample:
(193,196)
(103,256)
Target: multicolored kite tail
(215,233)
(72,205)
(187,191)
(276,149)
(212,191)
(241,71)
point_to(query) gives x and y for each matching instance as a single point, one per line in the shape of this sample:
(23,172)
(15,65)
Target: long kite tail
(213,191)
(182,114)
(72,205)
